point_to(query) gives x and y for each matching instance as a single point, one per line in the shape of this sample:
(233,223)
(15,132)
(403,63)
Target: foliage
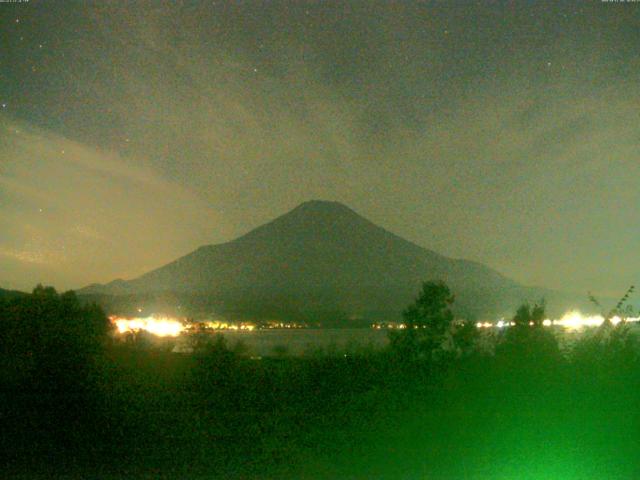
(610,348)
(465,337)
(622,309)
(217,413)
(527,314)
(527,340)
(51,338)
(427,322)
(53,371)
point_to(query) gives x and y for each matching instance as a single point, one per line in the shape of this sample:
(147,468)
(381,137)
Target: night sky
(507,133)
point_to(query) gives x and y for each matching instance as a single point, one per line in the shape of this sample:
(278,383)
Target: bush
(52,337)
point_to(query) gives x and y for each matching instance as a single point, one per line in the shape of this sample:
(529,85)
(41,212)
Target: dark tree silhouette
(622,309)
(465,336)
(528,315)
(610,347)
(427,322)
(527,339)
(52,337)
(52,374)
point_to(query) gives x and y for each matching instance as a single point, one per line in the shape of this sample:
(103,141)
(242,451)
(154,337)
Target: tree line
(75,401)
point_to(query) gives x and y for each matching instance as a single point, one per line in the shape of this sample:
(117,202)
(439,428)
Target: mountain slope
(9,294)
(320,257)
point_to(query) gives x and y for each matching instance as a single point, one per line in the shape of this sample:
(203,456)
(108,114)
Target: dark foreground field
(91,409)
(161,415)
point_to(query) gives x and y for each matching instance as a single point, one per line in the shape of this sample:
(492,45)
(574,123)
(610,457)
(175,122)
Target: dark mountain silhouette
(7,294)
(319,261)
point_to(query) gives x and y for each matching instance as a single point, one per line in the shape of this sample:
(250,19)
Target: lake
(303,341)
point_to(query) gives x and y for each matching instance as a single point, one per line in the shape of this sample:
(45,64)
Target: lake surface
(306,341)
(303,341)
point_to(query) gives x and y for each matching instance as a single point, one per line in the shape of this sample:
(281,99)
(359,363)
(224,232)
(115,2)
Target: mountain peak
(311,218)
(322,206)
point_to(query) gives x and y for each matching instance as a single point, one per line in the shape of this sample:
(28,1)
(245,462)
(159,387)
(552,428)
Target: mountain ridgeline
(10,294)
(319,263)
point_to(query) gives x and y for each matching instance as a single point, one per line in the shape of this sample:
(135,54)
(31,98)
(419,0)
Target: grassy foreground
(73,405)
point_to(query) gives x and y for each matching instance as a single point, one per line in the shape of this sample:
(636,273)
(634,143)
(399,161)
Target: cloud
(500,140)
(88,214)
